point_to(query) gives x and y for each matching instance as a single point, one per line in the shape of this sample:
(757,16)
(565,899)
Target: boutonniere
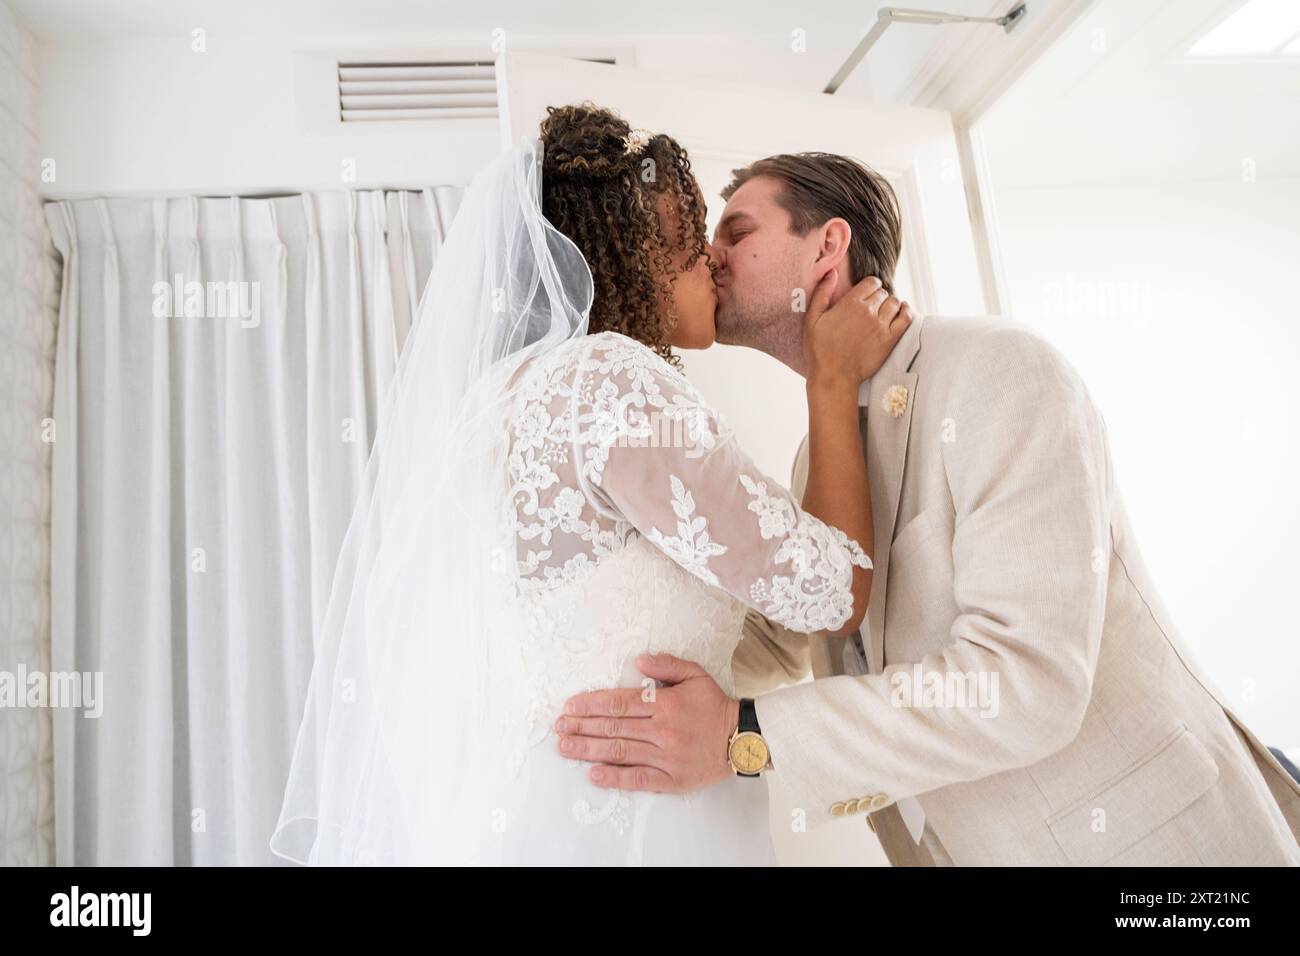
(896,400)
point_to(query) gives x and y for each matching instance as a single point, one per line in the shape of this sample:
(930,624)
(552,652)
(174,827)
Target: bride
(547,498)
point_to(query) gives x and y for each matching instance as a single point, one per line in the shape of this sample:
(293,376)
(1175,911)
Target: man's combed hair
(817,187)
(601,194)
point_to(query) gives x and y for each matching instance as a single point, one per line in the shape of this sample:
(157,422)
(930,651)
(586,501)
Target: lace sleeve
(652,452)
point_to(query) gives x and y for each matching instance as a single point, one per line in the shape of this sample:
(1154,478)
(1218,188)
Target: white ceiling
(735,40)
(402,16)
(1116,101)
(1130,111)
(756,17)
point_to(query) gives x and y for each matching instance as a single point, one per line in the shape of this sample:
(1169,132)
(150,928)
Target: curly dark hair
(602,194)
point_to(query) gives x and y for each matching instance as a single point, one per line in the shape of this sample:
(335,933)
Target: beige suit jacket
(1003,555)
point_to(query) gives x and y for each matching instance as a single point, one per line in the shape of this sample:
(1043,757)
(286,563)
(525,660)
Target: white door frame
(966,73)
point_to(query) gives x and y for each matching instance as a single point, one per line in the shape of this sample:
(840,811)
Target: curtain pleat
(203,478)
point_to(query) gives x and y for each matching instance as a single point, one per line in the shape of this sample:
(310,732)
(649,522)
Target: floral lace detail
(599,394)
(627,544)
(561,407)
(539,453)
(614,812)
(858,557)
(692,547)
(819,596)
(615,414)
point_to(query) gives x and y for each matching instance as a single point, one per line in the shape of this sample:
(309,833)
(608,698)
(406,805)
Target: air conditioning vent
(416,91)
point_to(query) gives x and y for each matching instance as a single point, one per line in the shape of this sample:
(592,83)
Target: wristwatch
(747,750)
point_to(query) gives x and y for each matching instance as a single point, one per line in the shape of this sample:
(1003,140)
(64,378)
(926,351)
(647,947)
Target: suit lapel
(885,444)
(884,440)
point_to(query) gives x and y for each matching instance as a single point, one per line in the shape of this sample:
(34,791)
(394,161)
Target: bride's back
(593,592)
(586,575)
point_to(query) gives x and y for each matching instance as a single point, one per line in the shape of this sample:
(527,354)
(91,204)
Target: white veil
(407,747)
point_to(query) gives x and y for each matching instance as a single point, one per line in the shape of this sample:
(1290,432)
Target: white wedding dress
(540,506)
(642,526)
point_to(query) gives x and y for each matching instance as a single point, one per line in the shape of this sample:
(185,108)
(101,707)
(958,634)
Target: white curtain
(203,475)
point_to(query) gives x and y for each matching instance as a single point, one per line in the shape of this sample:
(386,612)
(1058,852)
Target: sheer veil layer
(411,734)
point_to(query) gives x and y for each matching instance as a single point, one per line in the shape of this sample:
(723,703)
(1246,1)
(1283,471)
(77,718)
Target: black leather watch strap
(748,716)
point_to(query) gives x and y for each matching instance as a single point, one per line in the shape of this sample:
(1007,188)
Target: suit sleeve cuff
(790,732)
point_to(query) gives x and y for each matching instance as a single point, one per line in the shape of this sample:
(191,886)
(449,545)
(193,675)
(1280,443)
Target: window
(1259,28)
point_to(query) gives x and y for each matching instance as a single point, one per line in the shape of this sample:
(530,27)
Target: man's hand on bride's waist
(670,739)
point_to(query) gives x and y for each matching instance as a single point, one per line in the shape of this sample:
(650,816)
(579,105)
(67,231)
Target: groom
(1019,694)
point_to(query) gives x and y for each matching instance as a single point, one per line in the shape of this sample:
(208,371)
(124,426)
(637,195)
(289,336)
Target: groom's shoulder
(978,349)
(962,339)
(963,332)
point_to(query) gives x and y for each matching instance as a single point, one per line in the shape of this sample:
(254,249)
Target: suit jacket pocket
(1131,805)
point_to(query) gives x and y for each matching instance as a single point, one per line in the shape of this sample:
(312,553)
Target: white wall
(1149,214)
(26,402)
(1178,304)
(128,106)
(147,114)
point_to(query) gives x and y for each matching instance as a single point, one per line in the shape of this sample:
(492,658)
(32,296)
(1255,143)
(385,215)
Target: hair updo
(600,183)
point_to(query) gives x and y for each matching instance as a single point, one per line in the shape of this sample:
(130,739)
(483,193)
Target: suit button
(879,801)
(850,806)
(837,809)
(871,823)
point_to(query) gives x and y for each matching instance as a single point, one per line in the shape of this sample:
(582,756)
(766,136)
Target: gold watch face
(748,752)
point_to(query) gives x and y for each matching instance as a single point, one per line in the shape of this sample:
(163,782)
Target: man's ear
(833,246)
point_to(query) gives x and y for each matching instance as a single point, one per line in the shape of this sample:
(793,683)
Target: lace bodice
(640,525)
(611,444)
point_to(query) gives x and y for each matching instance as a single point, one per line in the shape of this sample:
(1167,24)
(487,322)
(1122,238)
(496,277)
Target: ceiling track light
(888,15)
